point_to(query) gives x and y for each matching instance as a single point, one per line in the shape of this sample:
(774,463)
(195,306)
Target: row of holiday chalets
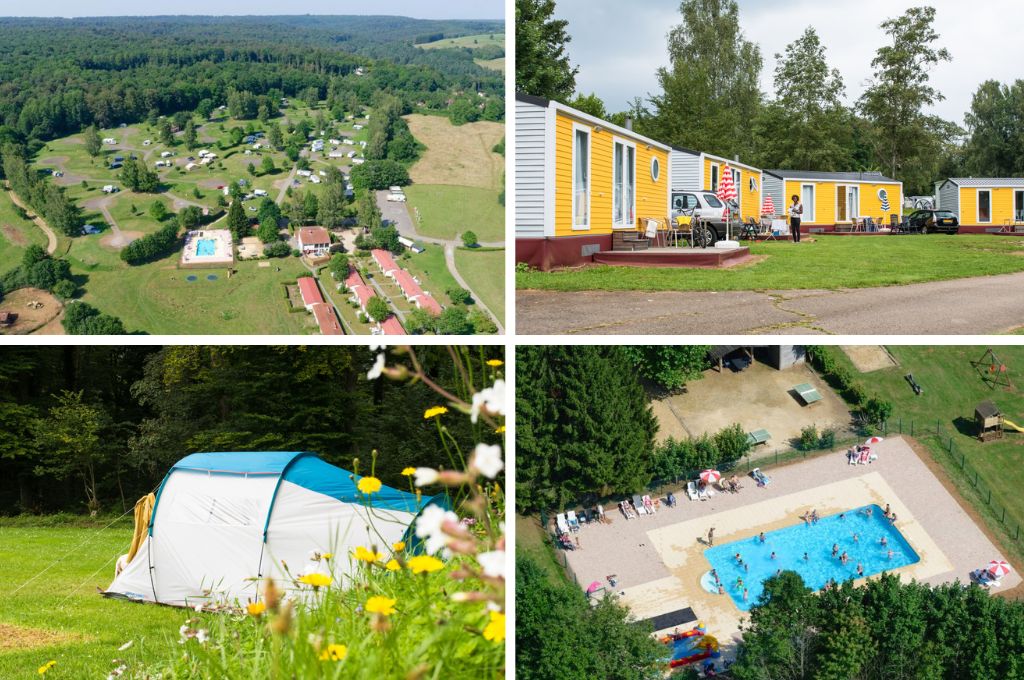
(581,181)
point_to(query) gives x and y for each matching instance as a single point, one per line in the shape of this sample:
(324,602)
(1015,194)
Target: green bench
(808,393)
(758,437)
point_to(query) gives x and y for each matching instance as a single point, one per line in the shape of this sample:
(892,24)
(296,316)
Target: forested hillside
(125,70)
(92,425)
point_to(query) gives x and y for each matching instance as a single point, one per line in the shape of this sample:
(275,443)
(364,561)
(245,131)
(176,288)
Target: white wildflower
(491,400)
(202,636)
(487,459)
(428,526)
(378,368)
(493,563)
(424,476)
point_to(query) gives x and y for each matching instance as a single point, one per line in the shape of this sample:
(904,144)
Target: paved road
(287,183)
(979,306)
(398,214)
(51,236)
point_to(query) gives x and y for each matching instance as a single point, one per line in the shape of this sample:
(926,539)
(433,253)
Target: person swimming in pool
(745,594)
(761,537)
(842,515)
(860,569)
(883,541)
(739,582)
(892,519)
(806,558)
(773,555)
(739,558)
(856,537)
(835,549)
(844,558)
(889,555)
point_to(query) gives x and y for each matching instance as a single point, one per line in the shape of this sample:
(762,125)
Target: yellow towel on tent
(143,511)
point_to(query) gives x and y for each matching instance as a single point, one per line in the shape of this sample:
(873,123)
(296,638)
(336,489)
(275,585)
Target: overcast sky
(419,9)
(619,45)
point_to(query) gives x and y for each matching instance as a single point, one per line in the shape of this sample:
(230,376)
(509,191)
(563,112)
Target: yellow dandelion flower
(399,546)
(422,563)
(334,653)
(409,471)
(365,555)
(255,608)
(378,604)
(46,666)
(500,429)
(434,412)
(495,628)
(327,556)
(495,363)
(369,485)
(392,565)
(316,580)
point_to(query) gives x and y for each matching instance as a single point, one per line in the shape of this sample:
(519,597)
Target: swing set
(993,371)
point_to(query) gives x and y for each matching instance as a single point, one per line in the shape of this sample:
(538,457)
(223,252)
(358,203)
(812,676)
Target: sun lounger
(761,478)
(758,437)
(563,525)
(627,510)
(808,393)
(691,490)
(638,503)
(705,492)
(649,504)
(574,523)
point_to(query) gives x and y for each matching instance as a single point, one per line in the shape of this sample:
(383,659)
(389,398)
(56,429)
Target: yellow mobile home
(698,171)
(984,204)
(580,179)
(834,201)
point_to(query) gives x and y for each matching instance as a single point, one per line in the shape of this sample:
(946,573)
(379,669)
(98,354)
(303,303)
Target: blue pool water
(205,247)
(791,543)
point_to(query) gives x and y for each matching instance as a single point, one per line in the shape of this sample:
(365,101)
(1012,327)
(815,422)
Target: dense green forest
(98,426)
(124,70)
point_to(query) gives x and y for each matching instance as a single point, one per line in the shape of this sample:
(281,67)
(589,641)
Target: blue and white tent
(224,521)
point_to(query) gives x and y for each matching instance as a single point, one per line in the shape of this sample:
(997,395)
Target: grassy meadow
(16,234)
(478,267)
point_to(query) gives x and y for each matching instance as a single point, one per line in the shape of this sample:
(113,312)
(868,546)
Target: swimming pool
(790,544)
(205,247)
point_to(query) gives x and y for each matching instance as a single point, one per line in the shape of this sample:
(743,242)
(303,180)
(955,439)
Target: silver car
(708,206)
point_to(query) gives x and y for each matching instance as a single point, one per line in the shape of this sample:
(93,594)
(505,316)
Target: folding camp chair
(751,229)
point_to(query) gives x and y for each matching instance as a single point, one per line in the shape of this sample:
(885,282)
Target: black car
(932,222)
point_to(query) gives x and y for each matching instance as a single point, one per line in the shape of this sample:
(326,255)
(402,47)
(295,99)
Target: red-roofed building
(361,293)
(429,304)
(310,292)
(392,326)
(410,289)
(384,261)
(314,241)
(326,319)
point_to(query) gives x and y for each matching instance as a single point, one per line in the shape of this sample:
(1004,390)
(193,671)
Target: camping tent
(223,521)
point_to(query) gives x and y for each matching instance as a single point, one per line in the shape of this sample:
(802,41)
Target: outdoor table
(758,437)
(808,393)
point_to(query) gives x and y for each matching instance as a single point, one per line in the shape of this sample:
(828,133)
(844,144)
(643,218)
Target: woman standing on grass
(796,214)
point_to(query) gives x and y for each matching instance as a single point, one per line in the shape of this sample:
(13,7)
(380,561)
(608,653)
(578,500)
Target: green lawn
(16,233)
(831,262)
(470,41)
(84,630)
(952,389)
(430,268)
(446,210)
(484,271)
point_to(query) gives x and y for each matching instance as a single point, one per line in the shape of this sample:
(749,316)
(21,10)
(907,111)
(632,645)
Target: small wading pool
(816,540)
(206,247)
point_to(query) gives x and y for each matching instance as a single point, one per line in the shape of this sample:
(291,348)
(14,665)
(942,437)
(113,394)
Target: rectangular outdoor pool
(791,543)
(206,247)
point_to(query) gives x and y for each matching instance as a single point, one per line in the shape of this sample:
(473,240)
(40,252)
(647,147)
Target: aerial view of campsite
(738,167)
(200,175)
(769,511)
(312,525)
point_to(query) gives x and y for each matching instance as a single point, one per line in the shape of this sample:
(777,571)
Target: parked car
(710,208)
(932,221)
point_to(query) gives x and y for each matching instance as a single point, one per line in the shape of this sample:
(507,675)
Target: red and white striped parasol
(769,206)
(710,476)
(873,440)
(726,187)
(998,568)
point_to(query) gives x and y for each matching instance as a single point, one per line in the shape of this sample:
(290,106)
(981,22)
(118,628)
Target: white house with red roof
(428,303)
(385,262)
(361,293)
(314,241)
(310,292)
(326,319)
(392,326)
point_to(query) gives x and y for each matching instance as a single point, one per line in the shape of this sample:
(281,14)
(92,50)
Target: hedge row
(151,247)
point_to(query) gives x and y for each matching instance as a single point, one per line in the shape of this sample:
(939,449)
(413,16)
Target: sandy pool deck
(659,559)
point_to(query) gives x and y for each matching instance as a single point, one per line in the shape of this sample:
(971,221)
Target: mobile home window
(714,178)
(624,185)
(581,179)
(984,206)
(1018,206)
